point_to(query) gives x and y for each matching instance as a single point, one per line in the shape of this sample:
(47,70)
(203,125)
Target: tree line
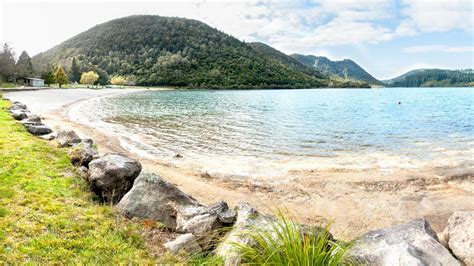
(437,78)
(12,71)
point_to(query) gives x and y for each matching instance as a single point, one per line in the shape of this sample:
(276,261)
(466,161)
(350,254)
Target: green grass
(286,242)
(47,214)
(7,85)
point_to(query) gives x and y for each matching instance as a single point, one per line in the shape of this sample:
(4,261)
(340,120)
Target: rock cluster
(31,122)
(117,179)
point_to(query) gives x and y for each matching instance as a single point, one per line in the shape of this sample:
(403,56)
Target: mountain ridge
(345,68)
(156,50)
(434,77)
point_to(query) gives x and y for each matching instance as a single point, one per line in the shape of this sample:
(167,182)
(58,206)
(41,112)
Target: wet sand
(356,201)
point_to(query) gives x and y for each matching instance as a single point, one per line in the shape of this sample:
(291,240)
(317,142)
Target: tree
(7,63)
(48,75)
(60,76)
(118,80)
(89,78)
(24,67)
(103,77)
(75,71)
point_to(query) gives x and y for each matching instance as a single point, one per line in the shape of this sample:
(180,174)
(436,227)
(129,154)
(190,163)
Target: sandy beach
(356,201)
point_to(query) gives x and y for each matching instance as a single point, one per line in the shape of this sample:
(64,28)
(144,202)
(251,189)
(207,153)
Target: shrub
(118,80)
(286,242)
(89,78)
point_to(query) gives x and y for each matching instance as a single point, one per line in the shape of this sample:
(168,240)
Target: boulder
(83,153)
(248,218)
(38,129)
(186,243)
(459,236)
(19,114)
(156,199)
(18,106)
(413,243)
(199,219)
(112,175)
(67,138)
(49,136)
(32,119)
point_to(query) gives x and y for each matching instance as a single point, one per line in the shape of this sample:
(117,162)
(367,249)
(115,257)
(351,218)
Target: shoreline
(348,198)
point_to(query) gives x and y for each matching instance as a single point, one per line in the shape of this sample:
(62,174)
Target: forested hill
(344,69)
(434,78)
(154,50)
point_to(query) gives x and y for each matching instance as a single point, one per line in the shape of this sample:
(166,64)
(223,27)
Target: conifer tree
(75,71)
(60,76)
(24,67)
(7,63)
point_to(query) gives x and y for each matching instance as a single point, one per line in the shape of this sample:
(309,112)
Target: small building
(34,82)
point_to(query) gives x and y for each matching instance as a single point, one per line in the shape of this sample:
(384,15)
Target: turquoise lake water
(270,131)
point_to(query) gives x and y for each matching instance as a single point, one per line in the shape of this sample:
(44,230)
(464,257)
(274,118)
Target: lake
(271,132)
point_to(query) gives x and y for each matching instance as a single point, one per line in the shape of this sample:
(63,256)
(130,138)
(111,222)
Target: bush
(118,80)
(288,243)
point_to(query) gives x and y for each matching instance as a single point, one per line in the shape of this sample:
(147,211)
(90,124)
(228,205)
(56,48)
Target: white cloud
(303,26)
(439,15)
(439,48)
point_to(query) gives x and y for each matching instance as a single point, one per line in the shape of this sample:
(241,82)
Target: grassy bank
(46,211)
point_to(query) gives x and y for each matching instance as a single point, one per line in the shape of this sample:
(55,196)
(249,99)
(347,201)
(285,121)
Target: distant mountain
(344,69)
(434,78)
(155,50)
(281,58)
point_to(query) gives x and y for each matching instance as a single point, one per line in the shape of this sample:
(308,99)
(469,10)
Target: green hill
(154,50)
(346,68)
(281,58)
(434,78)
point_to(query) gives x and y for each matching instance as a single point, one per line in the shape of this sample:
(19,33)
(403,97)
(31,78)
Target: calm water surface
(272,131)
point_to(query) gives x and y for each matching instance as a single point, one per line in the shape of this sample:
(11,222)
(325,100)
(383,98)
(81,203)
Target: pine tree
(48,75)
(7,63)
(75,71)
(60,76)
(24,67)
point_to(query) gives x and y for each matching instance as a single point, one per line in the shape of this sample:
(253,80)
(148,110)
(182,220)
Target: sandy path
(357,201)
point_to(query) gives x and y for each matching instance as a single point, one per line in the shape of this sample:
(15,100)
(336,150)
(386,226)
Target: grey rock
(248,218)
(67,138)
(112,175)
(38,129)
(19,114)
(49,136)
(199,219)
(196,220)
(18,106)
(32,119)
(459,236)
(83,153)
(413,243)
(223,212)
(186,243)
(154,198)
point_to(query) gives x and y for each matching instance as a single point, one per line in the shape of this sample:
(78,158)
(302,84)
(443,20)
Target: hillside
(281,58)
(434,78)
(154,50)
(346,68)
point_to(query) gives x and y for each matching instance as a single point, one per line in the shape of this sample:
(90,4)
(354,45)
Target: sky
(385,37)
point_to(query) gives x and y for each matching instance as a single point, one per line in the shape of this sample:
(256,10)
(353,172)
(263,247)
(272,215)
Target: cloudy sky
(386,37)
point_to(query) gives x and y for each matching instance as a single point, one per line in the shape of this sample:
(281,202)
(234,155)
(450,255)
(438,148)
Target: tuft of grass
(47,214)
(7,85)
(286,242)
